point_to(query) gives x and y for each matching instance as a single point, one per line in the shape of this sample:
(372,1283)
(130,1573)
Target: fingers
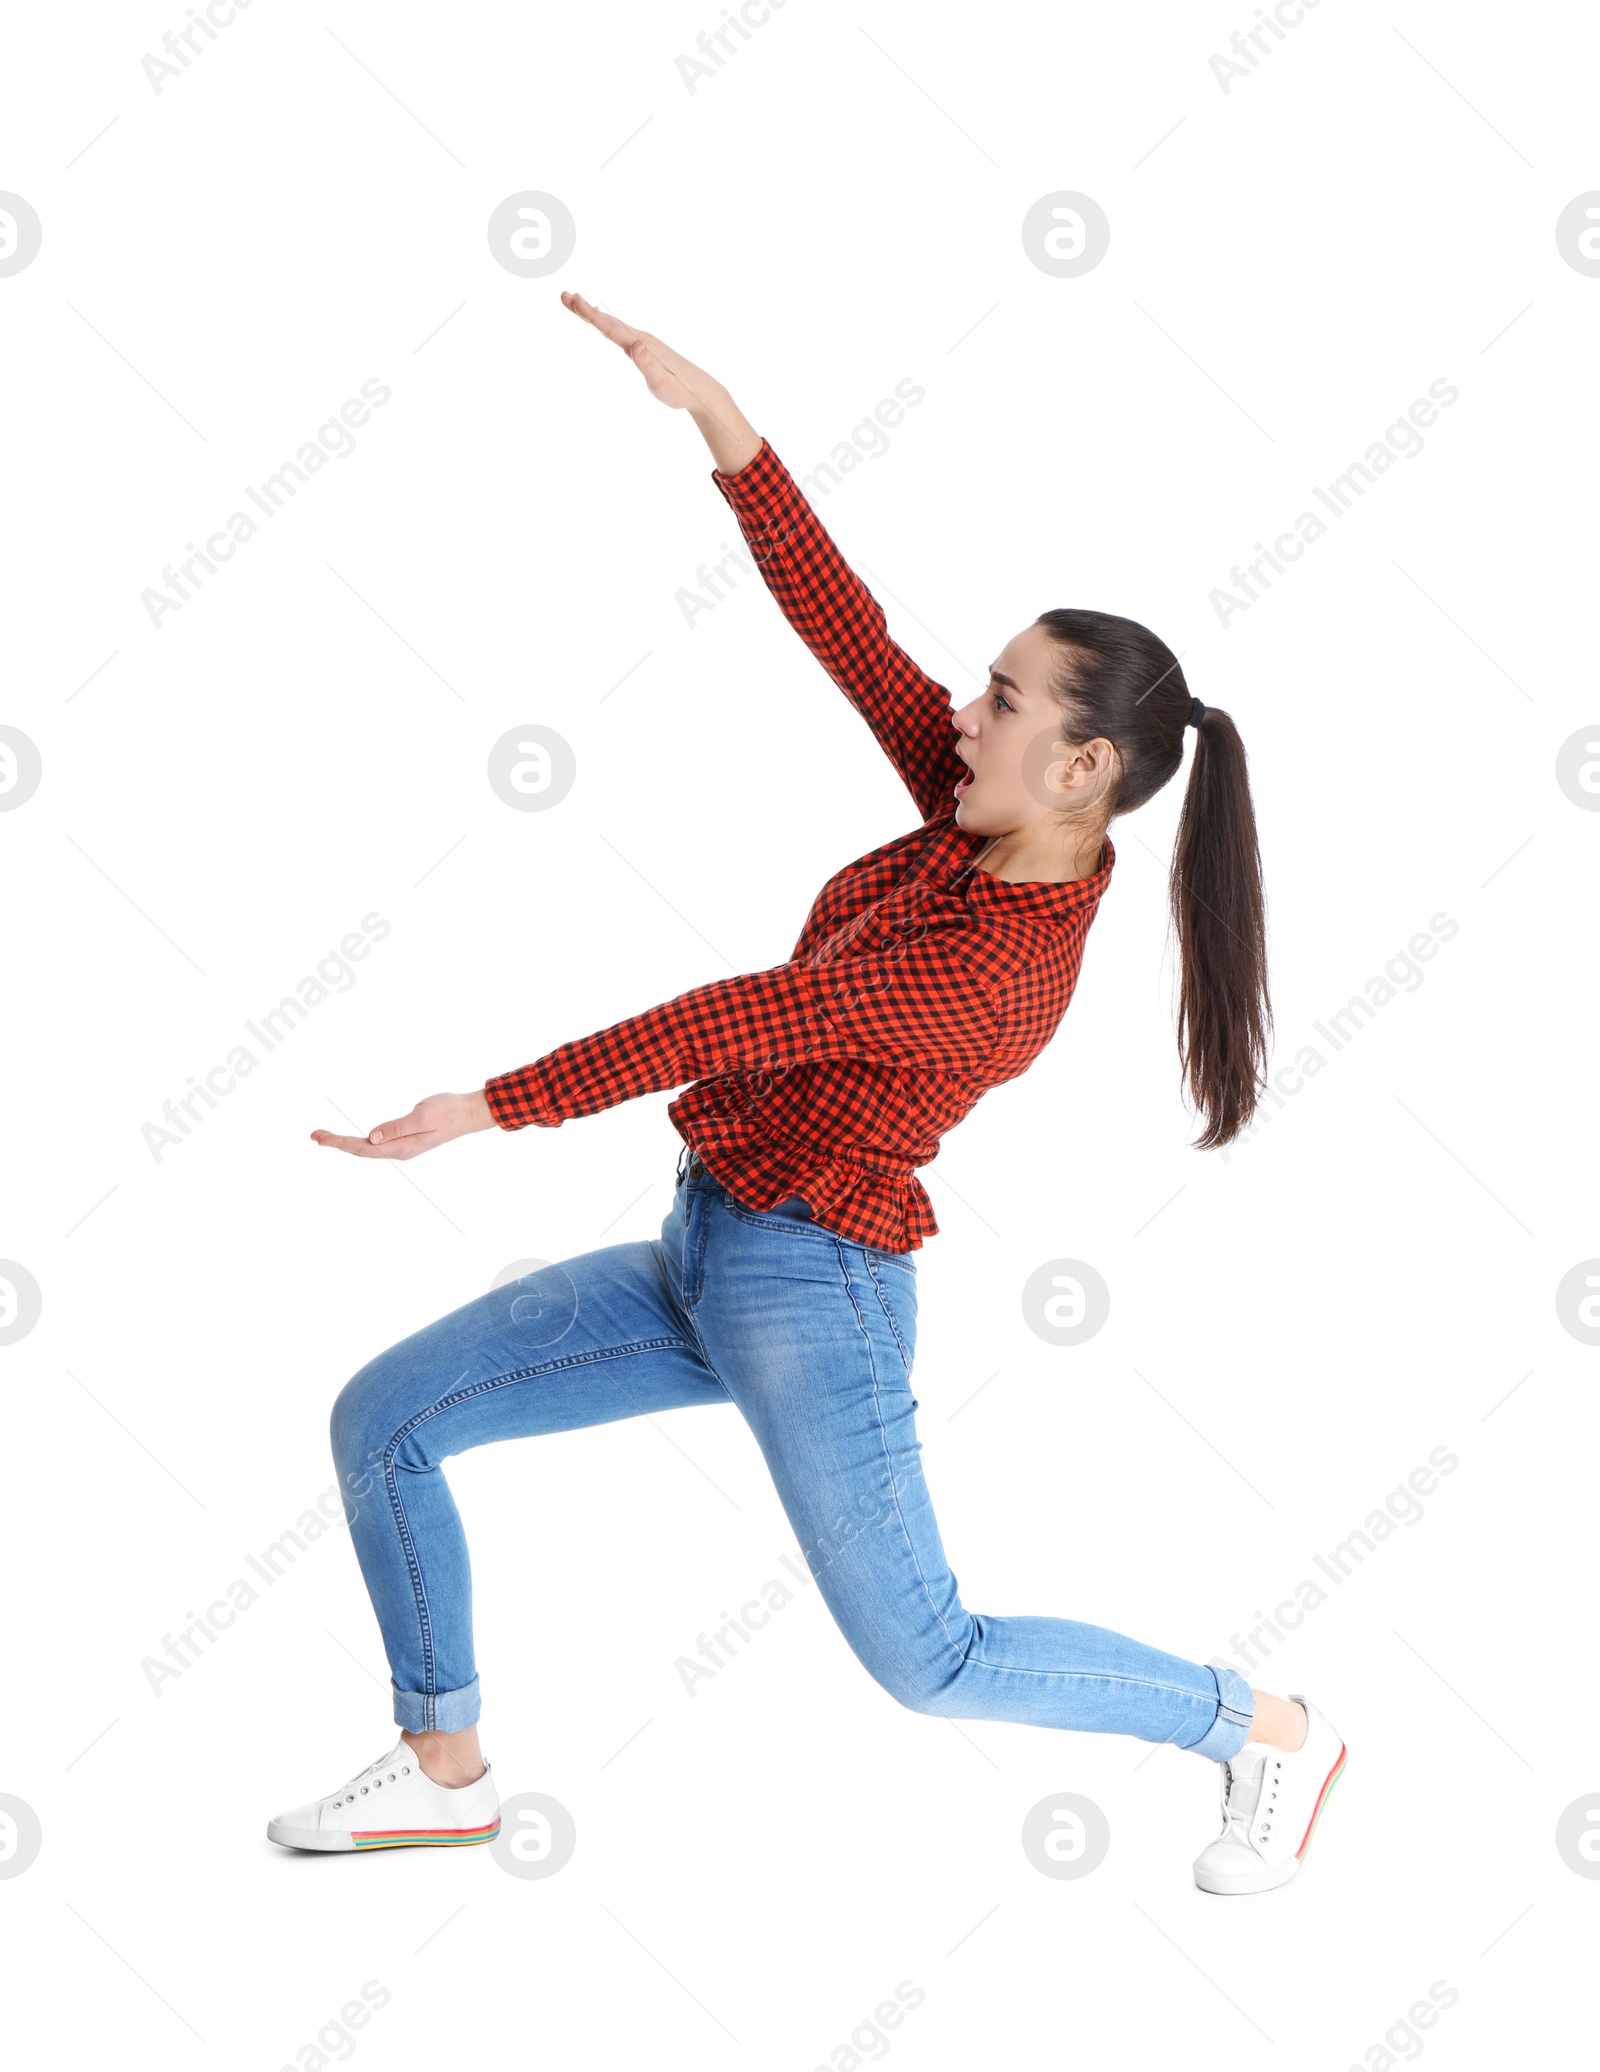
(608,326)
(646,351)
(391,1145)
(410,1125)
(658,363)
(358,1146)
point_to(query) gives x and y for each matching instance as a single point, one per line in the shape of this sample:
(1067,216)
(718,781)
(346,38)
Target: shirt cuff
(516,1100)
(756,482)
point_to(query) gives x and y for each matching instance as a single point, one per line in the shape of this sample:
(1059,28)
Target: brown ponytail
(1120,683)
(1219,915)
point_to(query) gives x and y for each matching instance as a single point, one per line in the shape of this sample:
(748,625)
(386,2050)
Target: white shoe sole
(360,1839)
(1246,1881)
(1268,1879)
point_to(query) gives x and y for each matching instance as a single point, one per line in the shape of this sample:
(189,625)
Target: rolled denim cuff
(436,1712)
(1236,1708)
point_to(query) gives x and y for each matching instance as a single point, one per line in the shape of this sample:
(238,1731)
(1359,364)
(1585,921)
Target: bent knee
(922,1680)
(361,1423)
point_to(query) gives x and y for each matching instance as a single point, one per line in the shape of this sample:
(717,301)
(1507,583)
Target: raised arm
(843,624)
(828,605)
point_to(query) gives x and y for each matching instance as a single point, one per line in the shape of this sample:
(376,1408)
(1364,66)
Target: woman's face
(1022,770)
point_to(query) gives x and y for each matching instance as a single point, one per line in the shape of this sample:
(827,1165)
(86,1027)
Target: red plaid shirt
(917,983)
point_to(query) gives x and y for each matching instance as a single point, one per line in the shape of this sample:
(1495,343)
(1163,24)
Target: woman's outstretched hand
(432,1121)
(680,384)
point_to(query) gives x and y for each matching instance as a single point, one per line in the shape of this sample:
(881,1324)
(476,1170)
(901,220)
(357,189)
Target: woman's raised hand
(678,383)
(432,1121)
(671,378)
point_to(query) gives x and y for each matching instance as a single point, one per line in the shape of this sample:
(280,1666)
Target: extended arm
(916,1005)
(917,1002)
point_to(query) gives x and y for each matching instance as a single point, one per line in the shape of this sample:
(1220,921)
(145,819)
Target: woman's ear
(1083,774)
(1047,764)
(1084,765)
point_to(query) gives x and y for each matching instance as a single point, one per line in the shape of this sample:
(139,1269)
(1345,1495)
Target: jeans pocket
(791,1218)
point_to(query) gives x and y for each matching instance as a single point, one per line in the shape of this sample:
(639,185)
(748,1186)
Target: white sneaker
(392,1805)
(1272,1799)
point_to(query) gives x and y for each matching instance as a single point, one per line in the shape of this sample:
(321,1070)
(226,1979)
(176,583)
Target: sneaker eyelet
(363,1791)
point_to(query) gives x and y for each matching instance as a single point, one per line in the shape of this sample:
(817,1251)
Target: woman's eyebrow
(999,676)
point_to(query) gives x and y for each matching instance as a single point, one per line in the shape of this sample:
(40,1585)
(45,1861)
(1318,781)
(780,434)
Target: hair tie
(1197,713)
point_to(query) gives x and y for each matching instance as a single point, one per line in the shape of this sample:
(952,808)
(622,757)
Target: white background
(1370,1278)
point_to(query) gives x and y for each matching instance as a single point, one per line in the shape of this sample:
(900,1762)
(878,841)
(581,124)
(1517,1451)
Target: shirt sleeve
(916,1005)
(843,624)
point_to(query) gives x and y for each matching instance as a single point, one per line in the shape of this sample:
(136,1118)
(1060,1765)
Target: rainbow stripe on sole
(1323,1797)
(423,1837)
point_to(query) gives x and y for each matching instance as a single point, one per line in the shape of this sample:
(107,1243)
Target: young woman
(784,1279)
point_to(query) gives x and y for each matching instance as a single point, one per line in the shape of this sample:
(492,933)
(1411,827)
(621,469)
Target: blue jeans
(812,1336)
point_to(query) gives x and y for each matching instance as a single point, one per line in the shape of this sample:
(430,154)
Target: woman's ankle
(1278,1721)
(451,1760)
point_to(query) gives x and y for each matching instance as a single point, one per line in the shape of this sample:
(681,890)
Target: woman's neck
(1043,856)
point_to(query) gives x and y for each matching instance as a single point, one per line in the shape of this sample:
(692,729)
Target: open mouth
(964,784)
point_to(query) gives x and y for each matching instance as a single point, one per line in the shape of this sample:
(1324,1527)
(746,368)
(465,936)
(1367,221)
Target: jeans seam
(419,1592)
(872,1270)
(429,1694)
(700,1346)
(877,1409)
(1142,1683)
(691,1304)
(1138,1683)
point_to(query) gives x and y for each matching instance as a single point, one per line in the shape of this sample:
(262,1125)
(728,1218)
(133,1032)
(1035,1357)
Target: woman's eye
(1001,702)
